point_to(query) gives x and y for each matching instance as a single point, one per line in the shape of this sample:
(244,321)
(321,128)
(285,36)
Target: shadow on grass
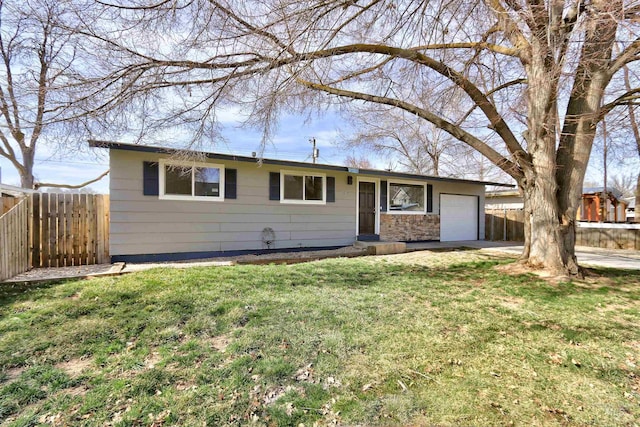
(13,292)
(612,273)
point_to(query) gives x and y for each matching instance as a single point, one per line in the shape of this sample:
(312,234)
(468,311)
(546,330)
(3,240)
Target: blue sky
(290,142)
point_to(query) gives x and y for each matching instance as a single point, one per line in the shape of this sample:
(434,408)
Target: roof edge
(231,157)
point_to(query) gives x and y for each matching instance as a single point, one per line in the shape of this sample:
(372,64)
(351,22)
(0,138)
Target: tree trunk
(552,232)
(526,219)
(637,211)
(551,240)
(26,172)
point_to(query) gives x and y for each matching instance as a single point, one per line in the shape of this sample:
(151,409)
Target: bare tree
(552,68)
(358,162)
(617,145)
(40,69)
(625,183)
(631,106)
(415,144)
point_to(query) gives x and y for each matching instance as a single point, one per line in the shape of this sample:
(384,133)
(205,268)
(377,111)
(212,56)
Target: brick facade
(409,227)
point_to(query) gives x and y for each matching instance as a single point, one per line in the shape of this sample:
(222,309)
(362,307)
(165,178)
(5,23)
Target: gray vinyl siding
(147,225)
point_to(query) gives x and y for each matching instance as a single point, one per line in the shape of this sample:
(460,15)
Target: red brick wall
(409,227)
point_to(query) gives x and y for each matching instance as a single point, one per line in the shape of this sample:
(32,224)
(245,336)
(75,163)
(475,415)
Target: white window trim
(163,163)
(303,174)
(424,197)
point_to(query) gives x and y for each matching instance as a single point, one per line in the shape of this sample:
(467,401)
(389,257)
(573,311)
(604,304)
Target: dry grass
(411,339)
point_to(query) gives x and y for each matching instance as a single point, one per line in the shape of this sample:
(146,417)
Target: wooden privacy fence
(6,203)
(69,229)
(508,224)
(54,230)
(14,242)
(504,224)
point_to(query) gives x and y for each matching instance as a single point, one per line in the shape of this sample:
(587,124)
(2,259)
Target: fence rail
(508,224)
(54,230)
(14,242)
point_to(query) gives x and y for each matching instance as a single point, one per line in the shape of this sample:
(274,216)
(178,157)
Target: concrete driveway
(596,257)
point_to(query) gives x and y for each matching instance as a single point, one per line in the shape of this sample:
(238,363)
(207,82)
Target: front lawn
(415,339)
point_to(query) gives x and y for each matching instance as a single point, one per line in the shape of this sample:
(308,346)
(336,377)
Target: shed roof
(597,190)
(13,191)
(232,157)
(502,193)
(631,202)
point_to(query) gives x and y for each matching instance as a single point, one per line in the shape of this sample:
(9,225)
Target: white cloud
(230,115)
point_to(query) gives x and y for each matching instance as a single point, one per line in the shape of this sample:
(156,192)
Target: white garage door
(458,218)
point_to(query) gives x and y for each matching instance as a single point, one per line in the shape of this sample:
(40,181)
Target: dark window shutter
(150,179)
(274,186)
(331,189)
(429,198)
(383,196)
(230,183)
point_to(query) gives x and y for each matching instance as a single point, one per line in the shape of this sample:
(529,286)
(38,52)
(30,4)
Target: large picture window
(303,188)
(200,181)
(406,198)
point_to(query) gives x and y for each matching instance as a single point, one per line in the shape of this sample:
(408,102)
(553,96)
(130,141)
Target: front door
(366,208)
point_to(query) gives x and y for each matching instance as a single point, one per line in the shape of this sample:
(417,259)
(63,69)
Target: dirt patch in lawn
(74,367)
(520,268)
(12,374)
(152,360)
(275,257)
(220,343)
(80,390)
(512,303)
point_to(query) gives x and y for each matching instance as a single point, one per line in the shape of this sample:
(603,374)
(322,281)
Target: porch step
(382,248)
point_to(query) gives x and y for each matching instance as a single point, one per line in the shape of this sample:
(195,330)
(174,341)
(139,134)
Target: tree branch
(473,45)
(629,54)
(456,131)
(622,100)
(509,27)
(72,186)
(42,87)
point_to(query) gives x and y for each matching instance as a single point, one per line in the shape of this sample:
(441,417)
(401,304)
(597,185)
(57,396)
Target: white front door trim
(376,181)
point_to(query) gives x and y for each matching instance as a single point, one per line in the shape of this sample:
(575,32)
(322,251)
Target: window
(301,188)
(406,198)
(191,181)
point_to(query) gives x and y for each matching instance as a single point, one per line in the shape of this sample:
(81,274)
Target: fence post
(102,229)
(493,220)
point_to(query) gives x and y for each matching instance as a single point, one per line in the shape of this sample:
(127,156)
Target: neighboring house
(631,209)
(13,191)
(163,208)
(590,210)
(599,205)
(405,199)
(10,196)
(503,199)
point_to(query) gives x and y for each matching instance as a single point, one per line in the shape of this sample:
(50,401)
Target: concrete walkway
(625,259)
(588,257)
